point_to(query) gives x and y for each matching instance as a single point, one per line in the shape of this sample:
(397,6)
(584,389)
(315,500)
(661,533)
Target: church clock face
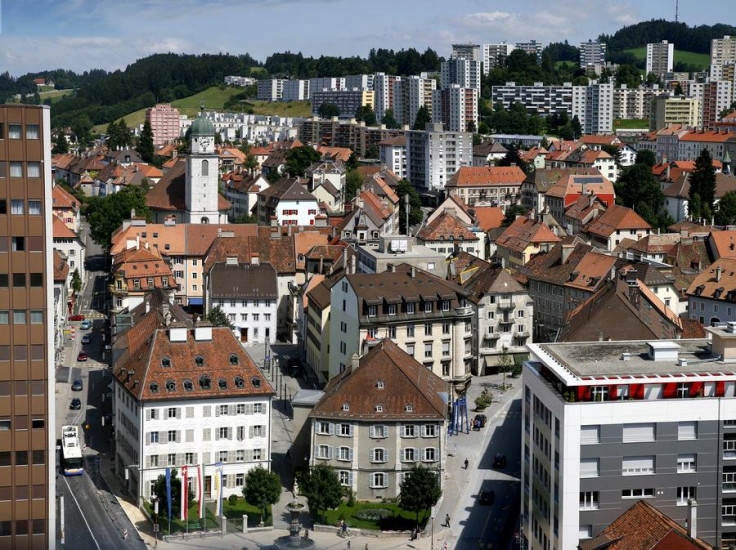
(205,143)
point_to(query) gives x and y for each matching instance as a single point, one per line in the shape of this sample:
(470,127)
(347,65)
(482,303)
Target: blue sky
(109,34)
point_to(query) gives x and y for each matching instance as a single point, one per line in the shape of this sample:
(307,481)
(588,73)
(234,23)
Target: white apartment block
(410,94)
(295,90)
(434,155)
(592,53)
(326,83)
(531,47)
(392,154)
(360,81)
(471,52)
(383,87)
(240,81)
(271,89)
(593,105)
(494,55)
(456,108)
(660,56)
(722,52)
(252,128)
(634,103)
(464,72)
(538,98)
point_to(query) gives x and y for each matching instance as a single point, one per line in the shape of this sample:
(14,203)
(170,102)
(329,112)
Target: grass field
(215,98)
(55,95)
(701,60)
(400,521)
(630,124)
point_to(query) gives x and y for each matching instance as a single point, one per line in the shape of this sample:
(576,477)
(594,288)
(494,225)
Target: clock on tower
(202,197)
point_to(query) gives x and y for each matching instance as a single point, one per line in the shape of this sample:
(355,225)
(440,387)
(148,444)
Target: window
(16,206)
(445,305)
(428,350)
(205,168)
(171,436)
(589,500)
(686,463)
(153,437)
(378,480)
(171,412)
(445,349)
(427,307)
(346,407)
(392,332)
(323,428)
(379,454)
(687,430)
(344,477)
(409,455)
(344,453)
(410,331)
(633,433)
(33,169)
(34,208)
(429,430)
(378,432)
(323,451)
(684,494)
(19,317)
(589,467)
(637,493)
(428,329)
(372,311)
(392,309)
(637,466)
(14,131)
(408,430)
(410,349)
(590,435)
(430,454)
(410,307)
(346,430)
(239,480)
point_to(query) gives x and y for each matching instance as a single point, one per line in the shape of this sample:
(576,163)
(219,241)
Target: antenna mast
(677,10)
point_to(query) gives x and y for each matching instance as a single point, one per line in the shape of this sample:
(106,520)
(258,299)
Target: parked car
(86,325)
(77,385)
(86,339)
(499,461)
(82,356)
(76,404)
(487,497)
(76,317)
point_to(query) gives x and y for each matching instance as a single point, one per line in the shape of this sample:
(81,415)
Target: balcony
(729,449)
(729,482)
(728,514)
(492,335)
(463,311)
(504,305)
(521,334)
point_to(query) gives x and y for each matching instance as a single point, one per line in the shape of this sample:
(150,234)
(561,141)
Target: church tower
(202,182)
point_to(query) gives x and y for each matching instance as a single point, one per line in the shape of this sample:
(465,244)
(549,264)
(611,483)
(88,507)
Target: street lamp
(154,499)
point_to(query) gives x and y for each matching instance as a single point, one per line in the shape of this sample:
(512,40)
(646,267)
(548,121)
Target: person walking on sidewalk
(466,463)
(447,520)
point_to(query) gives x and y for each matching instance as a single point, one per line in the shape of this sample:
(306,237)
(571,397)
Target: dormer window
(379,384)
(408,408)
(427,307)
(239,382)
(204,382)
(346,407)
(410,307)
(234,359)
(222,383)
(188,385)
(170,385)
(256,382)
(379,408)
(199,361)
(154,387)
(166,362)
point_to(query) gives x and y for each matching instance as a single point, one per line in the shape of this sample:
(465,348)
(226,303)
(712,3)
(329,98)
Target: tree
(159,489)
(218,318)
(61,145)
(250,164)
(353,182)
(388,119)
(577,128)
(678,90)
(81,125)
(245,218)
(614,151)
(703,182)
(513,158)
(76,281)
(419,490)
(371,152)
(366,114)
(145,143)
(638,189)
(299,159)
(262,489)
(321,486)
(404,189)
(328,110)
(648,158)
(118,135)
(726,214)
(422,119)
(511,213)
(105,214)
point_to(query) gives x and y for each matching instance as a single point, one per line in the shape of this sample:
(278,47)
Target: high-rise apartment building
(532,47)
(471,52)
(722,52)
(592,53)
(538,98)
(435,154)
(271,89)
(494,55)
(347,101)
(593,105)
(674,110)
(383,87)
(714,97)
(326,83)
(609,423)
(164,120)
(295,90)
(456,108)
(360,81)
(660,56)
(28,419)
(410,94)
(463,72)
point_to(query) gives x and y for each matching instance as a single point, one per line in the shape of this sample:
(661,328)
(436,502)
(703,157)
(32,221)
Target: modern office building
(606,423)
(27,439)
(164,120)
(592,53)
(456,108)
(434,155)
(463,72)
(660,56)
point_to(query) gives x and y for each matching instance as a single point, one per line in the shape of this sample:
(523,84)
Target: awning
(195,301)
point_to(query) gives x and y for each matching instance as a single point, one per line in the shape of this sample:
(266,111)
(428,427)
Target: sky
(37,35)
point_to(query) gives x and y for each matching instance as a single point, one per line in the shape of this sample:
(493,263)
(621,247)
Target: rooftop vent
(731,327)
(663,350)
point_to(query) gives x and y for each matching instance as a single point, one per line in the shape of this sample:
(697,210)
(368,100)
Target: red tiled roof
(523,232)
(168,193)
(712,137)
(61,267)
(483,176)
(446,227)
(489,217)
(615,218)
(61,230)
(61,198)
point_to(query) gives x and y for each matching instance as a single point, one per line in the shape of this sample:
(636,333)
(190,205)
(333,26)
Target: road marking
(83,516)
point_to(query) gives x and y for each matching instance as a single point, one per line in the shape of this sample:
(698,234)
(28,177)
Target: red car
(82,356)
(76,317)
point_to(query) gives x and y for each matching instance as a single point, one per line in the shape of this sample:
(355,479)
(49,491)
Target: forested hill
(690,39)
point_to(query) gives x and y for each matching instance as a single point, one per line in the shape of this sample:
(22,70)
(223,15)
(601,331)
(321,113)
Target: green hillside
(701,60)
(215,98)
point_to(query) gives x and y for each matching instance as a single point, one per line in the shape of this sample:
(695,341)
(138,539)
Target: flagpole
(202,505)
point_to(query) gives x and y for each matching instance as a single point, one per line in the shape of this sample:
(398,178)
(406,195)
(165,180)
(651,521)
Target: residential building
(660,56)
(456,108)
(241,191)
(164,121)
(466,73)
(288,202)
(136,271)
(570,187)
(62,304)
(360,81)
(713,97)
(239,81)
(379,257)
(538,98)
(28,515)
(487,185)
(247,294)
(488,153)
(425,315)
(471,52)
(538,182)
(369,219)
(66,207)
(347,101)
(531,47)
(523,239)
(674,110)
(379,418)
(615,224)
(691,144)
(592,53)
(383,86)
(562,279)
(709,295)
(722,53)
(434,155)
(634,103)
(392,154)
(327,83)
(295,90)
(580,213)
(446,234)
(271,89)
(593,105)
(189,397)
(66,242)
(585,157)
(410,94)
(494,55)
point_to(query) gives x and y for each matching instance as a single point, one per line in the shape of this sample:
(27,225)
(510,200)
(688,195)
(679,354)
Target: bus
(71,452)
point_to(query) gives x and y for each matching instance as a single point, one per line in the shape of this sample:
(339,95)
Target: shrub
(232,500)
(373,514)
(484,399)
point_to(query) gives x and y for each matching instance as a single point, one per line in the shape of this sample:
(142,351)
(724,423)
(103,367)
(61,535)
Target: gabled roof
(616,218)
(592,139)
(574,272)
(61,230)
(483,176)
(583,207)
(61,268)
(398,141)
(723,243)
(404,382)
(243,281)
(718,282)
(491,280)
(544,178)
(446,227)
(287,189)
(656,244)
(489,217)
(523,232)
(711,137)
(335,153)
(577,184)
(279,252)
(489,147)
(169,192)
(61,198)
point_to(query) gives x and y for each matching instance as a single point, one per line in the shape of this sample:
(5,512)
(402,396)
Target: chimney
(132,213)
(719,271)
(148,306)
(321,264)
(566,251)
(692,518)
(667,172)
(354,361)
(413,271)
(353,263)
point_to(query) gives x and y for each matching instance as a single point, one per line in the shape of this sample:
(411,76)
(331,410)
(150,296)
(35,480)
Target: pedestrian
(447,520)
(466,463)
(366,546)
(348,544)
